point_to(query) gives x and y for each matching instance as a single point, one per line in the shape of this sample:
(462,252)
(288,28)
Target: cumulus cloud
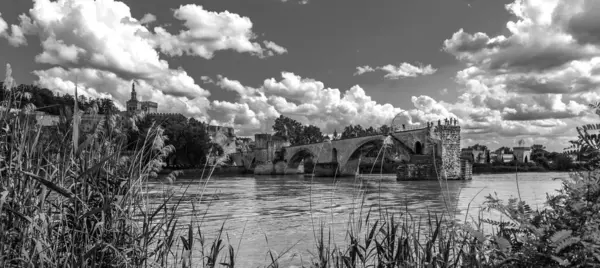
(535,80)
(364,69)
(148,18)
(208,32)
(103,84)
(274,48)
(311,102)
(3,25)
(400,71)
(105,47)
(15,37)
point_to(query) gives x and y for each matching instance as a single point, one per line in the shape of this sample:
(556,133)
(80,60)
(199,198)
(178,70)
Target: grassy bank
(71,199)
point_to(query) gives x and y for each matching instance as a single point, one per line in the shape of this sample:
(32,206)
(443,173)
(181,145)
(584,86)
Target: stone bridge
(342,157)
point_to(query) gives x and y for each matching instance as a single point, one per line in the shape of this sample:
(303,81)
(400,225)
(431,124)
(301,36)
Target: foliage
(73,204)
(566,233)
(355,131)
(189,138)
(478,147)
(311,134)
(83,203)
(296,132)
(46,101)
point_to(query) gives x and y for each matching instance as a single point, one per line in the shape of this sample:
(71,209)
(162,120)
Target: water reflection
(277,212)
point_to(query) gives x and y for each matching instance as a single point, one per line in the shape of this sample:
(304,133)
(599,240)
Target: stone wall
(261,155)
(261,140)
(418,171)
(450,144)
(466,167)
(411,137)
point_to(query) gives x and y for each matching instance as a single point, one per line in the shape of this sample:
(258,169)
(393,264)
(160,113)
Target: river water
(280,213)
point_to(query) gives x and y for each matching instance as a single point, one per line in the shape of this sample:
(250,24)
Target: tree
(370,131)
(504,150)
(107,106)
(385,129)
(478,147)
(296,132)
(311,134)
(287,127)
(360,131)
(348,132)
(335,135)
(563,162)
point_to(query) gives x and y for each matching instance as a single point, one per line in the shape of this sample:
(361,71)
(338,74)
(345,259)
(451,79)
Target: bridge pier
(323,170)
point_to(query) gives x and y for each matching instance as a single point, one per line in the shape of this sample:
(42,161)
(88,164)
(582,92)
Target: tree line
(49,102)
(188,136)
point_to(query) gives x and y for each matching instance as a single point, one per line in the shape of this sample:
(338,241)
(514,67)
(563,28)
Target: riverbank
(511,168)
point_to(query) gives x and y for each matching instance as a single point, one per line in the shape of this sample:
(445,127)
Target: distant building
(480,154)
(522,154)
(493,157)
(506,158)
(135,106)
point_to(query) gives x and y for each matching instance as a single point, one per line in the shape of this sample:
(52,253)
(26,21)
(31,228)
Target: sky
(507,70)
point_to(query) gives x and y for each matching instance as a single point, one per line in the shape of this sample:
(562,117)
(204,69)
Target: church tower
(133,105)
(133,93)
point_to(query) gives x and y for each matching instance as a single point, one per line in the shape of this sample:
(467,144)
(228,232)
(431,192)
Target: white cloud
(274,48)
(535,80)
(3,25)
(400,71)
(364,69)
(16,38)
(302,2)
(103,45)
(311,102)
(208,32)
(103,84)
(148,18)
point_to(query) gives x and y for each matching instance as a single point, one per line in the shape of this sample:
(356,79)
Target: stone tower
(133,105)
(133,93)
(449,143)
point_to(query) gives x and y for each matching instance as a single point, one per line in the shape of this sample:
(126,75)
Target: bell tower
(133,93)
(133,105)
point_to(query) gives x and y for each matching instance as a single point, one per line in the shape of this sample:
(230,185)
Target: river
(279,212)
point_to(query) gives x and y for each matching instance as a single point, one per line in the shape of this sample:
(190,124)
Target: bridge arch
(348,162)
(298,156)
